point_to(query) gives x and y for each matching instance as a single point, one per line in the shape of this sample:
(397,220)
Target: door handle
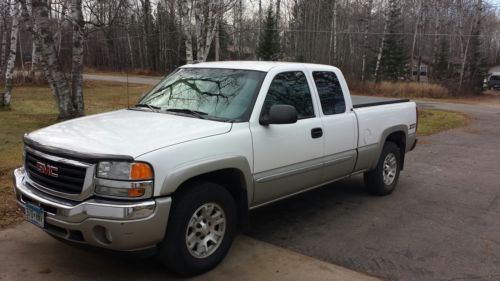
(316,133)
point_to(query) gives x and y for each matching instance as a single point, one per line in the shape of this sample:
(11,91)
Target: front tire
(383,180)
(200,230)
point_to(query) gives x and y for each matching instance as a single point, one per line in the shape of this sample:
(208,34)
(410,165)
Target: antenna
(128,93)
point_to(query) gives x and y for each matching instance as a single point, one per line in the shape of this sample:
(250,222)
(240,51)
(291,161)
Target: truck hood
(125,132)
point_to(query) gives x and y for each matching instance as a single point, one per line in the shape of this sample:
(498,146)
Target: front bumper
(114,225)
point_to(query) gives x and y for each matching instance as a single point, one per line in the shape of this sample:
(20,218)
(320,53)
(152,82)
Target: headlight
(132,180)
(124,170)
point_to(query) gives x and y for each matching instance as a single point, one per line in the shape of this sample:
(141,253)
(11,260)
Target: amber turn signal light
(141,171)
(135,192)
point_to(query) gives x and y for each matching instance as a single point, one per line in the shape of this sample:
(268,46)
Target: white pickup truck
(180,170)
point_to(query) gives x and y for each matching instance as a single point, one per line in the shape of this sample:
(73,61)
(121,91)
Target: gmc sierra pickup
(180,170)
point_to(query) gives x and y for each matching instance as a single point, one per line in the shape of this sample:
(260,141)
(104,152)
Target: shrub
(400,89)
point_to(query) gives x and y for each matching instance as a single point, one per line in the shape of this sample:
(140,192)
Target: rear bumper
(108,224)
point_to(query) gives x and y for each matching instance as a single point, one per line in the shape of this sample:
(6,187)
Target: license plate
(35,215)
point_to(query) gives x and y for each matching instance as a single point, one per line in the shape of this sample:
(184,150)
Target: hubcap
(390,169)
(205,230)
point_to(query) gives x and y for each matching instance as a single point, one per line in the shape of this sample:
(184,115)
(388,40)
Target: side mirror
(279,114)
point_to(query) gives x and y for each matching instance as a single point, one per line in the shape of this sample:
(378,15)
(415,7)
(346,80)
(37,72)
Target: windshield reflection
(215,93)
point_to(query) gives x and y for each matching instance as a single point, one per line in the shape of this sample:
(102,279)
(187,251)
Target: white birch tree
(68,95)
(77,58)
(4,13)
(204,16)
(9,71)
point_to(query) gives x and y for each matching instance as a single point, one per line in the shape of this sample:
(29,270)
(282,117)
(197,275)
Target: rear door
(287,158)
(338,122)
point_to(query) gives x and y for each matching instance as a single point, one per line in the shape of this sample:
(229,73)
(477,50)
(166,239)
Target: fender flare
(383,138)
(189,170)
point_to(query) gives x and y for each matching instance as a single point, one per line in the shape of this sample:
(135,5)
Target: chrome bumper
(108,224)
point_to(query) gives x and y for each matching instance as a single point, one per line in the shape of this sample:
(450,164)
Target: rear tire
(383,180)
(201,229)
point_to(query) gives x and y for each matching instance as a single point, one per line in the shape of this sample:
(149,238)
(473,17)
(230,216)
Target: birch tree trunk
(3,43)
(186,28)
(9,71)
(3,48)
(379,56)
(213,25)
(77,58)
(60,26)
(199,25)
(206,15)
(50,62)
(34,61)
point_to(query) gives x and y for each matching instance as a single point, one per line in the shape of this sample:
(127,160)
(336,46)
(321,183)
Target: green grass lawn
(432,121)
(33,107)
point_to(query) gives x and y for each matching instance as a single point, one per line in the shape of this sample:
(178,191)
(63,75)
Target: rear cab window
(330,92)
(290,88)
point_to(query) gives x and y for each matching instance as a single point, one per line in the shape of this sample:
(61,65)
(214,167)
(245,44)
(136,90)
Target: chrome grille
(69,178)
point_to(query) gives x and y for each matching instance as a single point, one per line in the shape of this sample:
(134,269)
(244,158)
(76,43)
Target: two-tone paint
(260,164)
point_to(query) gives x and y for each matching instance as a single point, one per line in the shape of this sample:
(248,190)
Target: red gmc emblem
(46,169)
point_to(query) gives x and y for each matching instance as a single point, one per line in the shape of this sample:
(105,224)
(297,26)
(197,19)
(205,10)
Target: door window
(330,92)
(290,88)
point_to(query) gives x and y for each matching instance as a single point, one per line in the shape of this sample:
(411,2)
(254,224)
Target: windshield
(210,93)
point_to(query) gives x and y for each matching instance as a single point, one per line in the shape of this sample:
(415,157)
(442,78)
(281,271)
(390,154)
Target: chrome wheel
(205,230)
(390,169)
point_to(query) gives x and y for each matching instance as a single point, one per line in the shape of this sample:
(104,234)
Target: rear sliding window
(330,92)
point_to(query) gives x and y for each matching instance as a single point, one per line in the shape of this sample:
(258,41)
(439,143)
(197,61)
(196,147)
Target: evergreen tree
(441,59)
(269,46)
(478,67)
(394,59)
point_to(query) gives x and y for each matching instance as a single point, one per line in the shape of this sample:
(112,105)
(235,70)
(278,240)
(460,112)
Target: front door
(287,158)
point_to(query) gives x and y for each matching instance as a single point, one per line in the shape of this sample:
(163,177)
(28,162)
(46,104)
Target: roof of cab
(265,66)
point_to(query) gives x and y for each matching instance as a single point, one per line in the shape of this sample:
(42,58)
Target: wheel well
(233,180)
(399,138)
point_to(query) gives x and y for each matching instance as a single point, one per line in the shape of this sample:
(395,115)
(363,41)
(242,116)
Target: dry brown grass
(400,89)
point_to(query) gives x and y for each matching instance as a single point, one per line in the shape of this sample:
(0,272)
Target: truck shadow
(322,204)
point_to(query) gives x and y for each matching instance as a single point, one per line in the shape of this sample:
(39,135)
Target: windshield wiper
(151,107)
(197,114)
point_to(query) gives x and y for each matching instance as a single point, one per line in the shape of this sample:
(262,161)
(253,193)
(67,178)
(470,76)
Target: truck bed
(366,101)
